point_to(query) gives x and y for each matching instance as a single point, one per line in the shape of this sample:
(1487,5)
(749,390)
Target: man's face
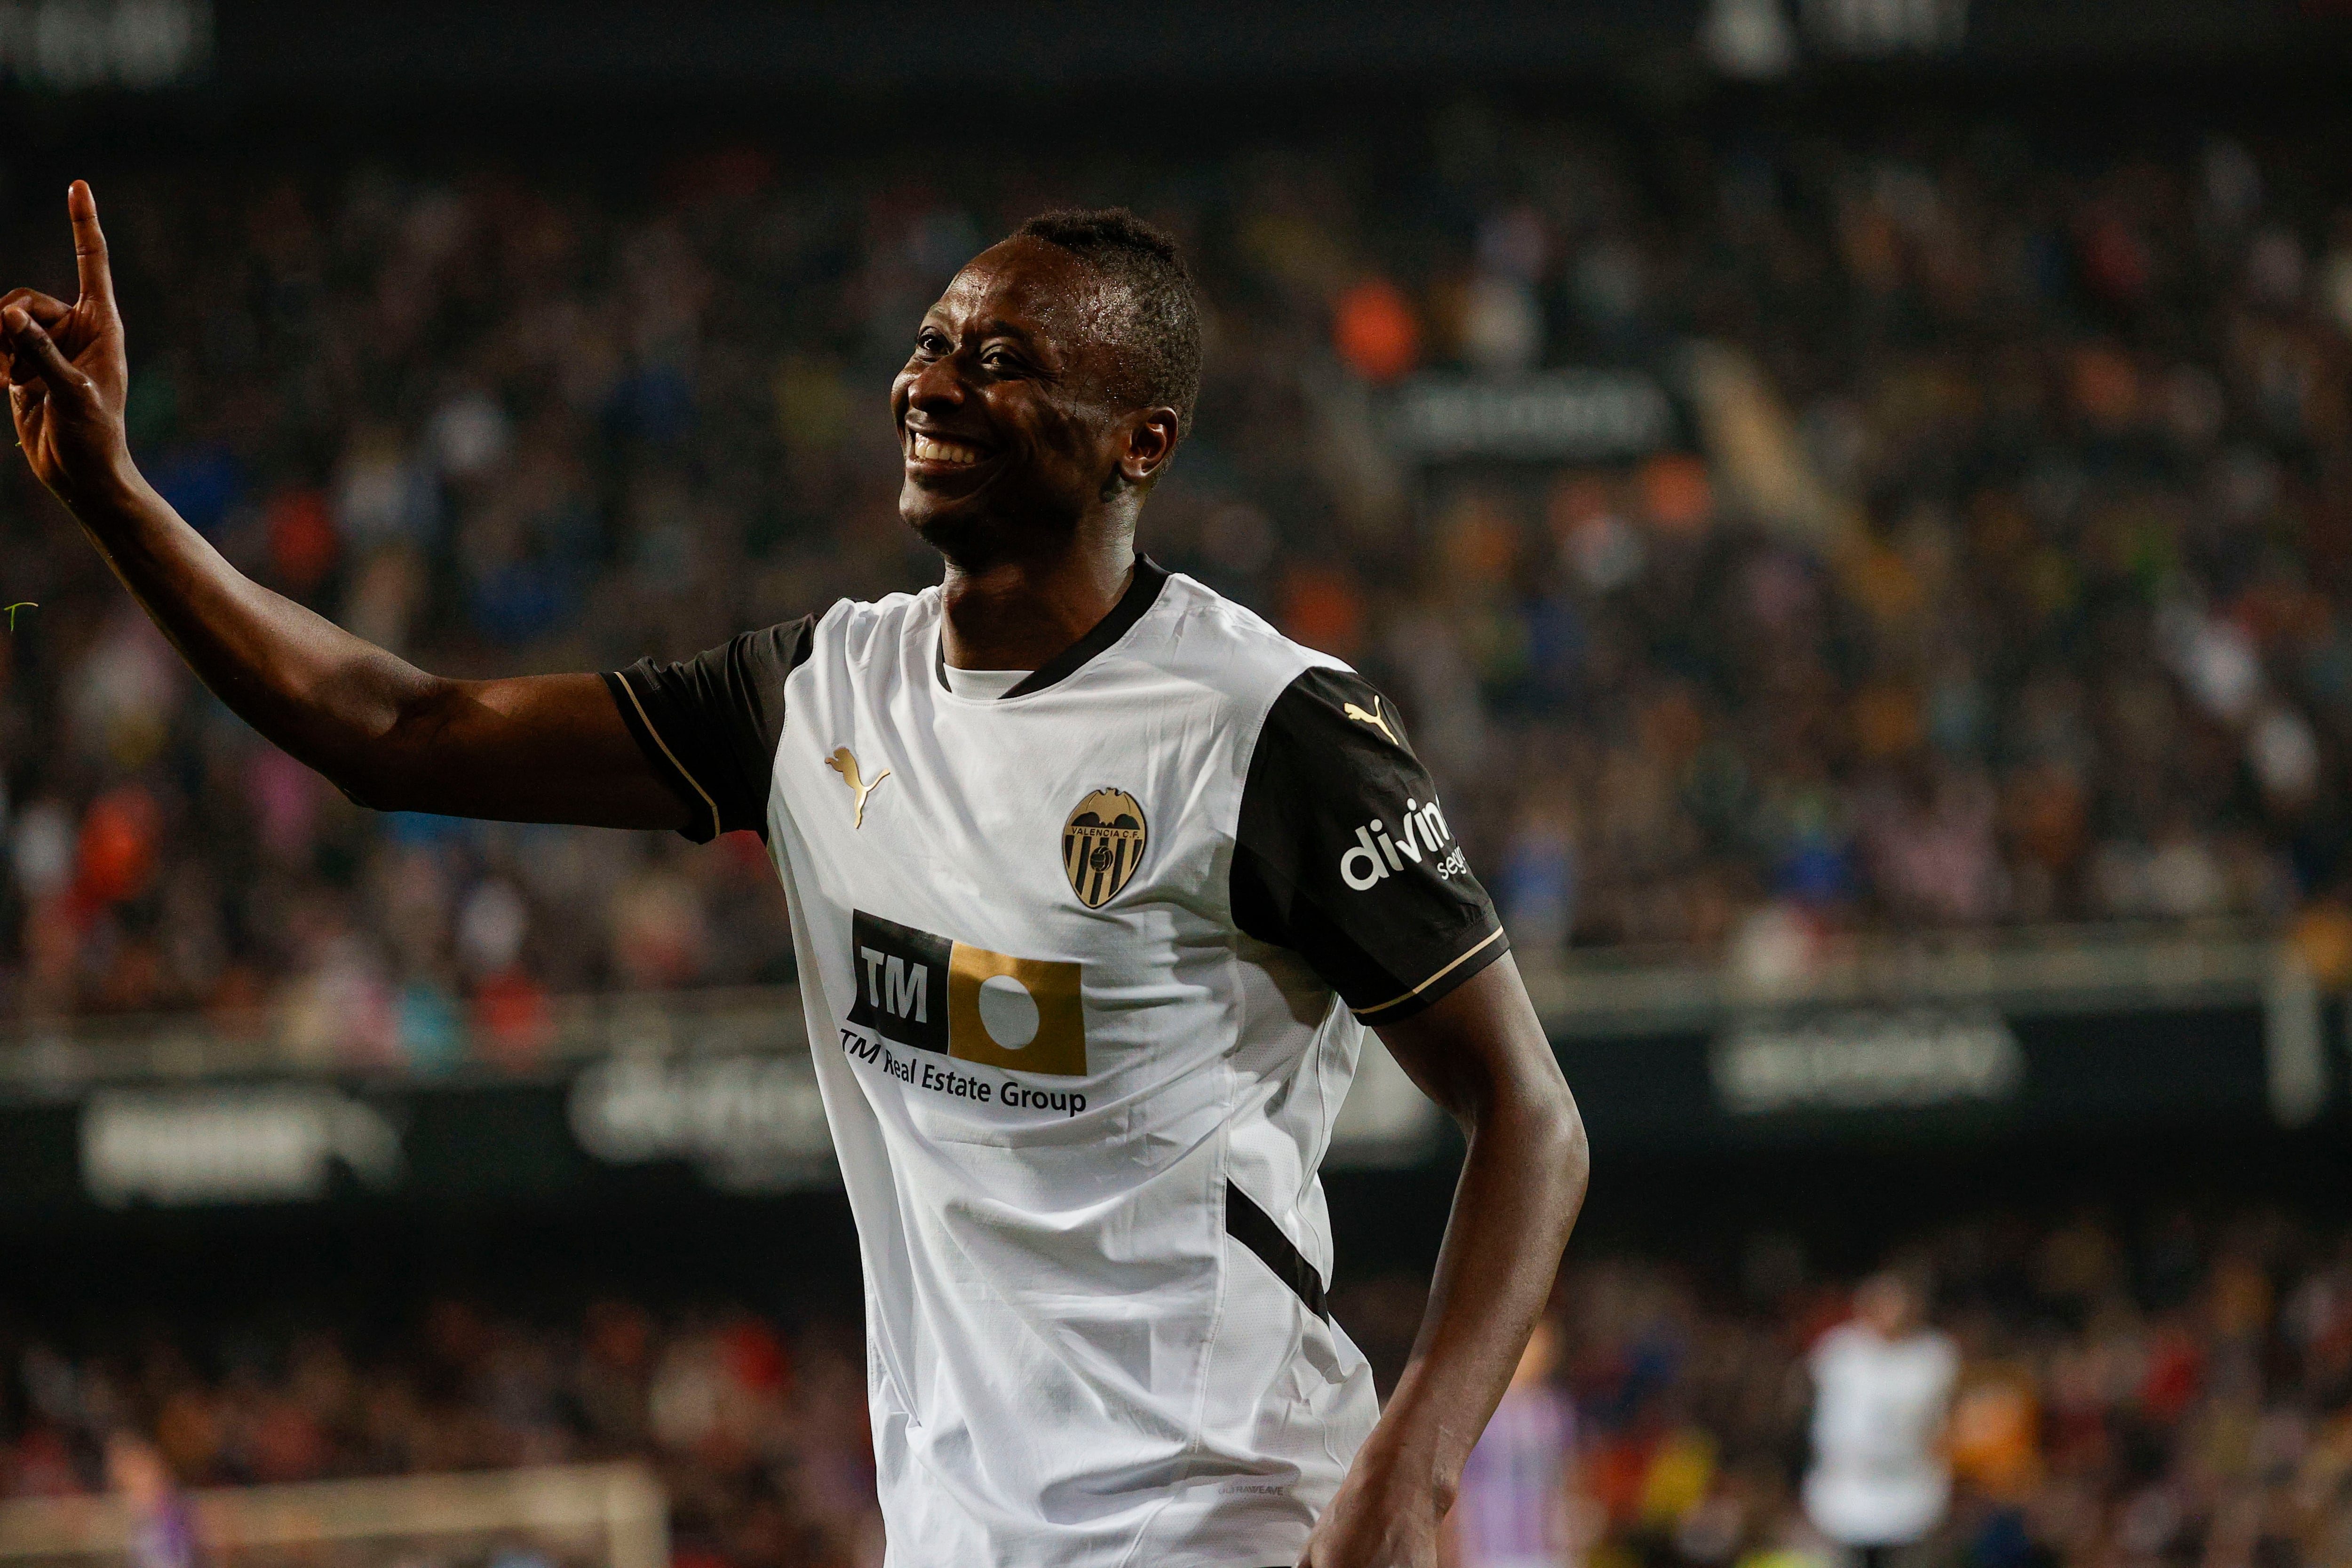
(1884,1303)
(1007,426)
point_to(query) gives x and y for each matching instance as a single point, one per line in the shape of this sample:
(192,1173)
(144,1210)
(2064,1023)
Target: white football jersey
(1069,957)
(1879,1477)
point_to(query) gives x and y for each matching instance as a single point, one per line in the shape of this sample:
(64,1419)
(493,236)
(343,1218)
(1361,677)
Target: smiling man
(1096,880)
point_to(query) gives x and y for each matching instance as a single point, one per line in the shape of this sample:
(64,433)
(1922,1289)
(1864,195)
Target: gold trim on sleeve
(716,829)
(1491,938)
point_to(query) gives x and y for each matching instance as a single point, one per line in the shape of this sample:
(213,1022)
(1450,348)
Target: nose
(936,387)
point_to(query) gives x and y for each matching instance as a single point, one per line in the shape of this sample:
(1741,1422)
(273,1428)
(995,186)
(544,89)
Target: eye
(930,342)
(998,361)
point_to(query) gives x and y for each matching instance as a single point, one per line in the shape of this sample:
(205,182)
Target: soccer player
(1513,1508)
(1095,880)
(1881,1478)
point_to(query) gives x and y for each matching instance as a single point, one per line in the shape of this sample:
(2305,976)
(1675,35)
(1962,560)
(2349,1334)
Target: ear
(1151,442)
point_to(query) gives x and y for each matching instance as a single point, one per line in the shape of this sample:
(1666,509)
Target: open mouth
(924,448)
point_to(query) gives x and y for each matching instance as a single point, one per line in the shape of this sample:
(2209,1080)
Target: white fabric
(1879,1478)
(983,685)
(1071,1364)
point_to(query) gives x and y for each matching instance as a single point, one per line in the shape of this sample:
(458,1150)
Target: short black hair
(1161,320)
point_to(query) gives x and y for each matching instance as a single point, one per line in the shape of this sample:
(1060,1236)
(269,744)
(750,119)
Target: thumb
(34,351)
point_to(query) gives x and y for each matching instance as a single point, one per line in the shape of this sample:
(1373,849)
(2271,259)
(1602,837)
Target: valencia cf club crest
(1102,844)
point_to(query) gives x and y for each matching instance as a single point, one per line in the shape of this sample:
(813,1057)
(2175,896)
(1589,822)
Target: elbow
(366,781)
(375,785)
(357,776)
(371,795)
(1555,1135)
(1532,1122)
(379,768)
(1568,1149)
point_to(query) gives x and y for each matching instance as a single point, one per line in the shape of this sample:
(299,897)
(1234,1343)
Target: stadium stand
(1988,567)
(2162,1390)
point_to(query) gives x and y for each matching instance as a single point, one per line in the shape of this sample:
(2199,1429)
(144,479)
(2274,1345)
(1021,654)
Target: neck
(1018,613)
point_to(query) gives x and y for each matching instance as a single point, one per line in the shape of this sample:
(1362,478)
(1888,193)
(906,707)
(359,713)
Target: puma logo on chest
(845,763)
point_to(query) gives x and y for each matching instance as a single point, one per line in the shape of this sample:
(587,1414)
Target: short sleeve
(1343,853)
(709,726)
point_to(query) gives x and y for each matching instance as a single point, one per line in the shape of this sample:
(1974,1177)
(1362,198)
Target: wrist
(1398,1459)
(112,488)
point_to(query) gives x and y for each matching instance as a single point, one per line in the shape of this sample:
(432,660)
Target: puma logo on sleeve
(1373,719)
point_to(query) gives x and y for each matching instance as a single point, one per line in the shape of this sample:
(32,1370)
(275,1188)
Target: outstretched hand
(66,369)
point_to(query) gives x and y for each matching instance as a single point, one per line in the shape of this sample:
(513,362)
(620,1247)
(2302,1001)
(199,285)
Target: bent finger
(33,350)
(89,245)
(40,307)
(43,309)
(24,405)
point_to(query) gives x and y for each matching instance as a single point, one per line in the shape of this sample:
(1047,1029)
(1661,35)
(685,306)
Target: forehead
(1032,287)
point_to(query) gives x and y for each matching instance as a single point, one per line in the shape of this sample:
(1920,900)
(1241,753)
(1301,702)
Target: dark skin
(1027,457)
(1039,528)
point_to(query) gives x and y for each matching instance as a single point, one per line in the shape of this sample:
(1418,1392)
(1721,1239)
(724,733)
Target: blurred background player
(1513,1508)
(1880,1478)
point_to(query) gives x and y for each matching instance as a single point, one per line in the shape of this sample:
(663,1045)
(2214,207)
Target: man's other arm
(548,748)
(1481,1054)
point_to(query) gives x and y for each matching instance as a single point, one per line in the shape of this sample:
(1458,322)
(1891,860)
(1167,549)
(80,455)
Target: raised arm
(1481,1054)
(547,748)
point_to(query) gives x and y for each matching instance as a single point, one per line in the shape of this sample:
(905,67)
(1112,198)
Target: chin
(974,533)
(955,531)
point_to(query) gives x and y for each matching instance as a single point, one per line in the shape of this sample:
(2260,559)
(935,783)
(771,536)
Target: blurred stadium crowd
(2061,634)
(2166,1394)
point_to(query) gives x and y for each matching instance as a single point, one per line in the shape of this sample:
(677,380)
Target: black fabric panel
(1142,593)
(1254,1228)
(1332,762)
(709,726)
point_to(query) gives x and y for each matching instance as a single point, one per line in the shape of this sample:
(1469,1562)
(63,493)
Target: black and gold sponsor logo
(1102,845)
(930,993)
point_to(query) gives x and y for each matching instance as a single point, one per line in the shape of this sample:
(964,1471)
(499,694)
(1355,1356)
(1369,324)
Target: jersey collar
(1142,593)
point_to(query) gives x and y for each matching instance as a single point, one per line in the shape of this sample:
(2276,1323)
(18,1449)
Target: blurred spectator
(162,1533)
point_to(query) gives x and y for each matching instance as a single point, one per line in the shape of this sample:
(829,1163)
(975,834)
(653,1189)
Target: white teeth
(931,450)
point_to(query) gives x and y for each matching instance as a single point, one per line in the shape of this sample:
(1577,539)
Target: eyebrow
(1003,328)
(997,328)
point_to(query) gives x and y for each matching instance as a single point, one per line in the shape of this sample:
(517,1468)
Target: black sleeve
(1345,855)
(710,726)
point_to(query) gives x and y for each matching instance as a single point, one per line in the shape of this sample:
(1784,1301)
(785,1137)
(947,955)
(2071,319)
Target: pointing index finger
(89,245)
